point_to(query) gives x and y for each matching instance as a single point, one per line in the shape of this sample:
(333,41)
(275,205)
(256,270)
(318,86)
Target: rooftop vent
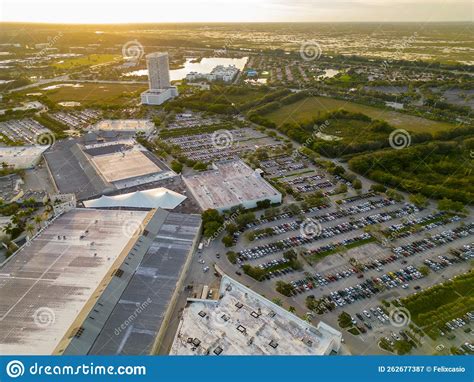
(77,333)
(308,342)
(239,305)
(218,350)
(255,314)
(202,313)
(241,329)
(273,344)
(118,272)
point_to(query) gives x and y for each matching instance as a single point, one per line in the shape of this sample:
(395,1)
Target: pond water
(53,87)
(204,66)
(257,81)
(329,73)
(395,105)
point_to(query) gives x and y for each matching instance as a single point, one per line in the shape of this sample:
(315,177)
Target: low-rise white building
(242,322)
(160,89)
(219,73)
(229,184)
(124,125)
(22,157)
(158,96)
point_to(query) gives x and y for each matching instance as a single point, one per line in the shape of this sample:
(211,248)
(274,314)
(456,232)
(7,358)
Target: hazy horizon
(90,12)
(229,22)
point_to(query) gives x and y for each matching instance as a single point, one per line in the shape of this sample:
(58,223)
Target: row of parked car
(333,246)
(441,263)
(370,287)
(274,263)
(434,241)
(376,313)
(280,265)
(329,216)
(404,231)
(398,337)
(342,180)
(465,253)
(349,271)
(285,215)
(397,228)
(346,226)
(313,187)
(278,273)
(459,322)
(310,179)
(355,198)
(299,240)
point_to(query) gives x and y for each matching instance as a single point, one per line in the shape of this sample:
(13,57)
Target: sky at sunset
(121,11)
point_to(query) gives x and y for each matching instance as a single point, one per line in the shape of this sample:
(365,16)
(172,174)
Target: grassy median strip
(340,248)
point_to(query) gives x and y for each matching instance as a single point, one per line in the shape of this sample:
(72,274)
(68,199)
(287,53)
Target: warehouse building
(242,322)
(229,184)
(70,290)
(93,169)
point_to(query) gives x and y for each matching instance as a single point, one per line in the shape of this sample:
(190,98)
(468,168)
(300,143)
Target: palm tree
(30,229)
(38,220)
(8,229)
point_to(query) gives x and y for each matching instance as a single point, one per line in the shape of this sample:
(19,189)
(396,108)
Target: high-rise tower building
(159,80)
(158,70)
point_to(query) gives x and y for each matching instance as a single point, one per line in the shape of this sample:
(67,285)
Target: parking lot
(283,165)
(305,239)
(191,119)
(359,251)
(76,119)
(220,145)
(22,131)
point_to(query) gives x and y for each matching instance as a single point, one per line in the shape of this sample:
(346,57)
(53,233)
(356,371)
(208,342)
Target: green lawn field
(90,93)
(309,107)
(90,60)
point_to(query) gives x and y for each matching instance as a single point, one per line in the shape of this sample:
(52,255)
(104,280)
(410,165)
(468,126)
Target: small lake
(204,66)
(54,87)
(329,73)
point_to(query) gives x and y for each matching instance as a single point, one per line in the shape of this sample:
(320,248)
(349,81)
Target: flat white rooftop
(231,183)
(242,322)
(21,156)
(124,165)
(124,125)
(46,285)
